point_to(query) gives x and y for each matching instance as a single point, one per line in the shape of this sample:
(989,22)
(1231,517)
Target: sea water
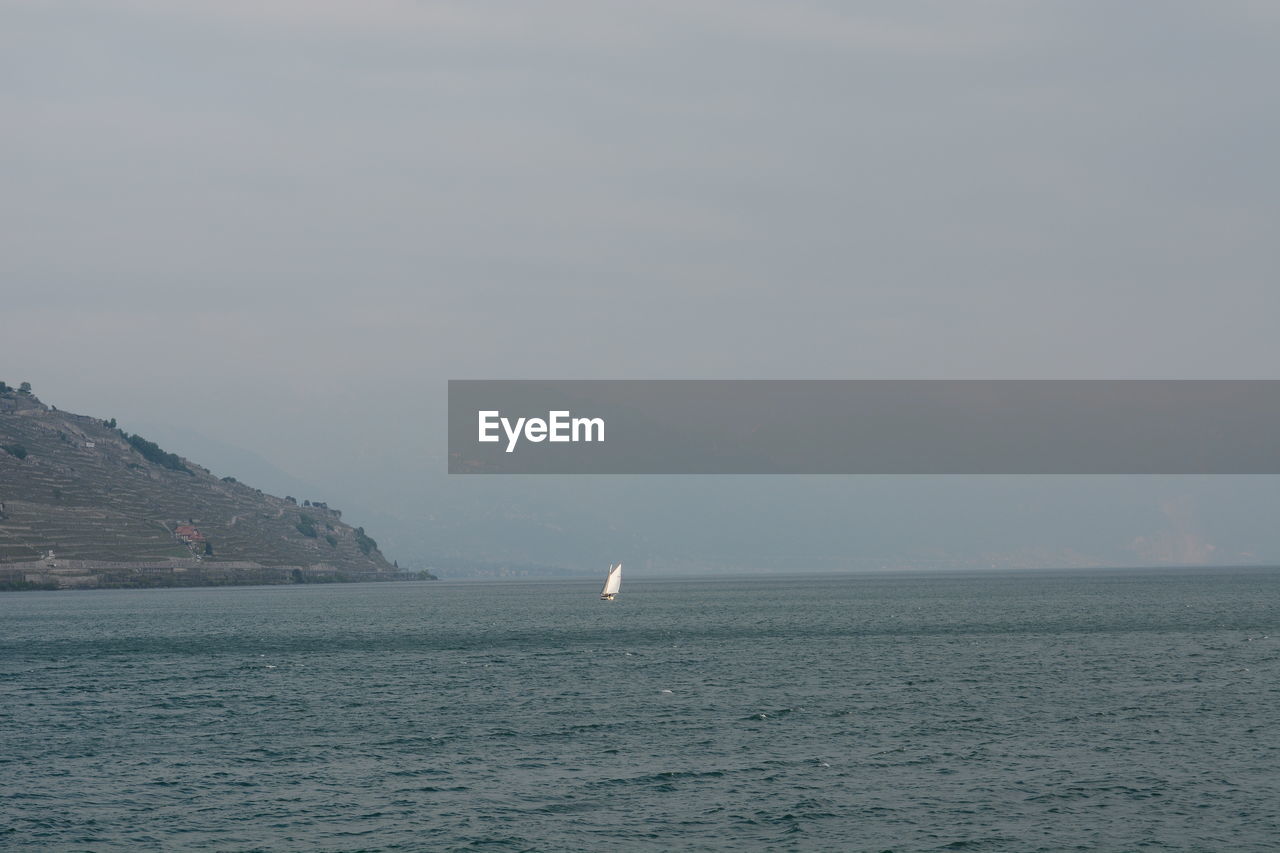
(1113,710)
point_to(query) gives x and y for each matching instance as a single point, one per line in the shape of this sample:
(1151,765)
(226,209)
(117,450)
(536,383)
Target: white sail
(613,582)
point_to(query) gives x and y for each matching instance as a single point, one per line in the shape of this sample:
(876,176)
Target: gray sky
(285,224)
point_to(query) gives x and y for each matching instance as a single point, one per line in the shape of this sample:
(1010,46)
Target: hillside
(84,490)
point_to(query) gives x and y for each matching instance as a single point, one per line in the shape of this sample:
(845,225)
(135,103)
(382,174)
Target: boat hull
(608,596)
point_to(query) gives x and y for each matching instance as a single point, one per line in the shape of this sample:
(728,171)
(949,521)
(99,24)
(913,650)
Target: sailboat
(611,583)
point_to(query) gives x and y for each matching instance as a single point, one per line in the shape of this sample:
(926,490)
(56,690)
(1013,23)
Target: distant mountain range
(118,500)
(87,500)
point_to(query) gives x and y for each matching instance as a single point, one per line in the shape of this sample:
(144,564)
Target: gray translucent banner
(864,427)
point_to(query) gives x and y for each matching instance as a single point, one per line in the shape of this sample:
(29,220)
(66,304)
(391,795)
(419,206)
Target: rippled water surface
(1020,712)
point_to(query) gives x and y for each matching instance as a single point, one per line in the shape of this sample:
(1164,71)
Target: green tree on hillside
(365,542)
(152,453)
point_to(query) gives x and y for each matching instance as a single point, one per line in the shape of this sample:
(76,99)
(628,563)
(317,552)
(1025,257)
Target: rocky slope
(85,490)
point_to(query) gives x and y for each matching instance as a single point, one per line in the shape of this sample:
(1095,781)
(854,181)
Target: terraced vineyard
(76,486)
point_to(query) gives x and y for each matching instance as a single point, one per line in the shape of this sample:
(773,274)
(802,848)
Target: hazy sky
(285,224)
